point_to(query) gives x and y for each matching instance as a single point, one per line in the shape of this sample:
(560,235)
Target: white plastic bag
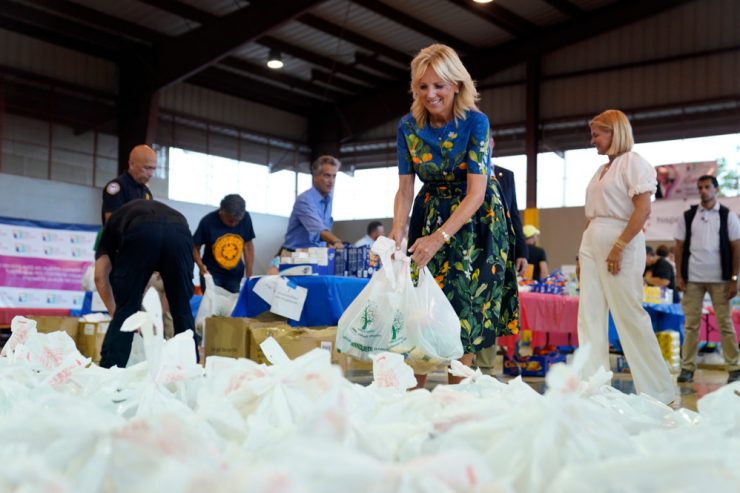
(216,302)
(88,279)
(391,314)
(389,371)
(432,328)
(374,319)
(21,329)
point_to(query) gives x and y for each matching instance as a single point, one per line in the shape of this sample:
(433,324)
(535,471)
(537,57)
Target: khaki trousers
(621,294)
(485,359)
(692,302)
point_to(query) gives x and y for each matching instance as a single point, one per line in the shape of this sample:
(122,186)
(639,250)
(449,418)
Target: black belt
(445,189)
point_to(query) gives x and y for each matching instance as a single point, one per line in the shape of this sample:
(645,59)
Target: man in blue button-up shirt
(310,222)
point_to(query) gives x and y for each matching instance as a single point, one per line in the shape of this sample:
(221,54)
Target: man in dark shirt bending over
(139,238)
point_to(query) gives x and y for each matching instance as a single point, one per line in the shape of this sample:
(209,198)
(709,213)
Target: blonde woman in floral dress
(459,226)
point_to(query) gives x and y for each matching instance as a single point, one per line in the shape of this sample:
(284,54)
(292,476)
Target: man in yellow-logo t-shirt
(227,236)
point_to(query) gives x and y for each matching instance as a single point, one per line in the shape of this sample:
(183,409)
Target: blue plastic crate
(531,366)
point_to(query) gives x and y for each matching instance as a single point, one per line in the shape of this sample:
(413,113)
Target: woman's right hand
(397,235)
(614,260)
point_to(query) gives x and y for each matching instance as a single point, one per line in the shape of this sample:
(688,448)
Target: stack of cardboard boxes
(88,335)
(224,336)
(241,338)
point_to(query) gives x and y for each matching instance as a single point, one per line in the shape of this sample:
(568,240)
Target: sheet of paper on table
(288,299)
(265,288)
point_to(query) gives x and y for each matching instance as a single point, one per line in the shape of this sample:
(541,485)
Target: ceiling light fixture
(275,61)
(483,1)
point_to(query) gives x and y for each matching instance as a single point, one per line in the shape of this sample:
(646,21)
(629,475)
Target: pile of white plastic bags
(168,424)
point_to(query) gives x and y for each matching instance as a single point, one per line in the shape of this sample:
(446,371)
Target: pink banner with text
(41,273)
(42,264)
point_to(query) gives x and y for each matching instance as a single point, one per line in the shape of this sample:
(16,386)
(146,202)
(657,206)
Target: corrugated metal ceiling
(143,15)
(535,11)
(329,35)
(371,25)
(448,17)
(217,7)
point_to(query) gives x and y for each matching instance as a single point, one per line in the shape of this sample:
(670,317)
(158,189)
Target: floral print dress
(474,269)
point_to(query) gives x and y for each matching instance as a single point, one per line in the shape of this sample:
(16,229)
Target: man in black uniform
(505,178)
(131,185)
(141,237)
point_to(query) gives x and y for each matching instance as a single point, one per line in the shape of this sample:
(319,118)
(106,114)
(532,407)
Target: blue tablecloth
(666,316)
(195,304)
(327,298)
(86,306)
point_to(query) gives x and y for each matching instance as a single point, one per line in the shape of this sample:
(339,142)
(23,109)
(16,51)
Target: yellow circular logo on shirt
(227,250)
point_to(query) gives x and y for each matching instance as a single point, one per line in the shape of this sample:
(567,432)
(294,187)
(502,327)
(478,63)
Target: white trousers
(602,292)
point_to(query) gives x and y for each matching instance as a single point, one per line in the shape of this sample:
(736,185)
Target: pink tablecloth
(708,330)
(553,319)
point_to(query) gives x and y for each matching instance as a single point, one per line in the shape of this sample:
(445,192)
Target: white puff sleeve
(639,175)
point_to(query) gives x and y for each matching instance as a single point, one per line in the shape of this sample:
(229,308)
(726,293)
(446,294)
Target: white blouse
(629,175)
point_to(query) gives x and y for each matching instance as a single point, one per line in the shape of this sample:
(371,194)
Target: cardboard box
(295,341)
(352,365)
(90,338)
(356,262)
(46,324)
(308,261)
(227,336)
(269,317)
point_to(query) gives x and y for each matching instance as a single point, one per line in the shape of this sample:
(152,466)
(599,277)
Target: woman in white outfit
(612,259)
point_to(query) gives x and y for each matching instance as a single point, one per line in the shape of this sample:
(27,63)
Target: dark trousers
(152,246)
(230,284)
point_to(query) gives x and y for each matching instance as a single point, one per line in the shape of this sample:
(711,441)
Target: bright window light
(200,178)
(204,179)
(518,165)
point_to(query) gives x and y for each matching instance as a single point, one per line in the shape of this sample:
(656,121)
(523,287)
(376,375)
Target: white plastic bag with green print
(432,328)
(373,322)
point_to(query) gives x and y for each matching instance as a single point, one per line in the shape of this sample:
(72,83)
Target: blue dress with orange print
(475,269)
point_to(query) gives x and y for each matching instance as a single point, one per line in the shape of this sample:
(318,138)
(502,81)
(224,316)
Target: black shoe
(734,376)
(686,376)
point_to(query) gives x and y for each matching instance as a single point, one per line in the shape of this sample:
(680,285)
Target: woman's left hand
(425,248)
(614,260)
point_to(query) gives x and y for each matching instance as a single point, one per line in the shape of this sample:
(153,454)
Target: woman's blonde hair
(446,64)
(616,122)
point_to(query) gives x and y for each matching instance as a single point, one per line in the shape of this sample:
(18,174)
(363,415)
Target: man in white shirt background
(374,229)
(707,260)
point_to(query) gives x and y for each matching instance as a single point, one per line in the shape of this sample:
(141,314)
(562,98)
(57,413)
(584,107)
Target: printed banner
(678,181)
(40,298)
(42,264)
(661,225)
